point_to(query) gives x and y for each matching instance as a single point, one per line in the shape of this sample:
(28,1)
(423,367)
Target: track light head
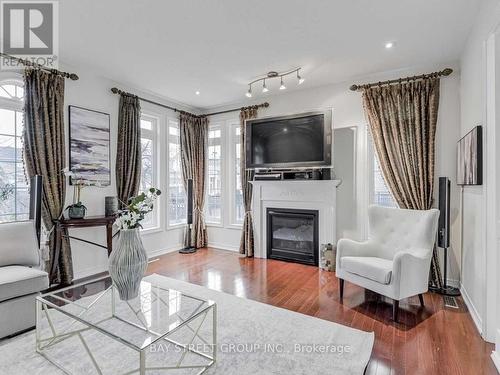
(282,87)
(264,87)
(299,78)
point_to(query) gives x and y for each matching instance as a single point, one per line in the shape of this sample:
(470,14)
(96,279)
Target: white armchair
(395,261)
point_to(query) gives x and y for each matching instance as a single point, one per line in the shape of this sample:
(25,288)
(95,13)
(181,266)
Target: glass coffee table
(86,328)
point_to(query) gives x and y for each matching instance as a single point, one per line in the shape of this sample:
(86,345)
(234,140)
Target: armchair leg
(421,298)
(341,289)
(395,310)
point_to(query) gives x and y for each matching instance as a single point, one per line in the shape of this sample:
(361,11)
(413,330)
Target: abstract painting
(470,158)
(89,155)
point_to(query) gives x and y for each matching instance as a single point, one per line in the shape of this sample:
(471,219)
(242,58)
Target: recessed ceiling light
(389,45)
(197,93)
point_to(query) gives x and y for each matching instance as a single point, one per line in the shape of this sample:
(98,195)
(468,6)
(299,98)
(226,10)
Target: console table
(87,222)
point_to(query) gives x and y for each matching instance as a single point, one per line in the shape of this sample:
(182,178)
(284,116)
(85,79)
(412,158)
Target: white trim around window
(228,126)
(217,130)
(150,128)
(14,188)
(233,168)
(172,136)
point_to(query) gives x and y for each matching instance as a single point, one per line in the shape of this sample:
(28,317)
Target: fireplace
(292,235)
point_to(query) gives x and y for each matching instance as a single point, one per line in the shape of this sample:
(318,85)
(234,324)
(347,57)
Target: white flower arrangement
(138,207)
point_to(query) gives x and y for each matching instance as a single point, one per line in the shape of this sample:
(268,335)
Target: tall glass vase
(127,264)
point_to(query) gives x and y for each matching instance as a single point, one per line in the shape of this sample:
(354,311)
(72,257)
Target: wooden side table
(87,222)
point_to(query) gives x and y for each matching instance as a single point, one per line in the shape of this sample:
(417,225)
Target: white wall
(473,112)
(93,92)
(348,112)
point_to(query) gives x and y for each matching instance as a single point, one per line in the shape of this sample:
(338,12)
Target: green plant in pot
(77,210)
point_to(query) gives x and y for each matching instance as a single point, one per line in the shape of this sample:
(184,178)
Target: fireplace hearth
(293,235)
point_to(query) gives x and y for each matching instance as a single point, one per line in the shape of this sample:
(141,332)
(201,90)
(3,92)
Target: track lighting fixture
(272,75)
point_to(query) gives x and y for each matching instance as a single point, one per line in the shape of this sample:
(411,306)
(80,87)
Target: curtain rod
(444,73)
(256,106)
(115,90)
(71,76)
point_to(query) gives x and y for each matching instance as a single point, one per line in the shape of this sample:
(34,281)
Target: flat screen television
(470,158)
(289,142)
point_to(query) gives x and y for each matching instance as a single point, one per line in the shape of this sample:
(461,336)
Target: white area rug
(267,340)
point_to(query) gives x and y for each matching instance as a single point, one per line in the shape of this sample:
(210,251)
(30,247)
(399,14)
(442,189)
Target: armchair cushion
(376,269)
(18,281)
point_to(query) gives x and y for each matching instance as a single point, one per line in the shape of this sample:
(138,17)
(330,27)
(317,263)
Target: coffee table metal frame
(43,307)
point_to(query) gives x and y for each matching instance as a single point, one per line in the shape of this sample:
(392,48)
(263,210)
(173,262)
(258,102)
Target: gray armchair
(21,280)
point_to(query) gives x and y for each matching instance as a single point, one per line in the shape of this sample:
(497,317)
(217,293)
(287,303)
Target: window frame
(15,105)
(182,224)
(232,125)
(154,136)
(217,125)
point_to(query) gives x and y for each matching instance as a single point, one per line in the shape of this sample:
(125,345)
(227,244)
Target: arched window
(14,196)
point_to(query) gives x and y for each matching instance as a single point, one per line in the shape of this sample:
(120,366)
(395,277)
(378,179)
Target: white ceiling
(173,48)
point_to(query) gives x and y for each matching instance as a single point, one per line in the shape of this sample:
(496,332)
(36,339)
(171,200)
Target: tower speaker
(190,201)
(444,234)
(189,218)
(36,204)
(444,216)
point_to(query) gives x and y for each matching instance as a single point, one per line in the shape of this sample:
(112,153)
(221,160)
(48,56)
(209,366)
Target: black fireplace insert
(293,235)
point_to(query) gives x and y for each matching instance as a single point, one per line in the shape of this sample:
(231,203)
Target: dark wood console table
(87,222)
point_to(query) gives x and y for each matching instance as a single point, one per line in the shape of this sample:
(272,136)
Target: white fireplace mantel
(317,195)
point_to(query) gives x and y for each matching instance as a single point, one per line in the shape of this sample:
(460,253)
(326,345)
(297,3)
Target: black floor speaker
(189,218)
(36,204)
(444,234)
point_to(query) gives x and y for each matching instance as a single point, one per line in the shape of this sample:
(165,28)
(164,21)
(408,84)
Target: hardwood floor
(428,340)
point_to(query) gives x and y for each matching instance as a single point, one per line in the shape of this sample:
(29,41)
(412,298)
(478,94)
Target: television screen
(294,141)
(470,158)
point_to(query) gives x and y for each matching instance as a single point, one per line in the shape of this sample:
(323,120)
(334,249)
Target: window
(176,193)
(14,193)
(149,171)
(214,181)
(380,193)
(238,207)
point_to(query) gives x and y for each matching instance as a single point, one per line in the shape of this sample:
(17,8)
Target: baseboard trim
(476,318)
(171,249)
(452,282)
(224,246)
(90,271)
(495,357)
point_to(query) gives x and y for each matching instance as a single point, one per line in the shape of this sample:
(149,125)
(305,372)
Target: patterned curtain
(403,119)
(247,238)
(44,154)
(194,140)
(128,149)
